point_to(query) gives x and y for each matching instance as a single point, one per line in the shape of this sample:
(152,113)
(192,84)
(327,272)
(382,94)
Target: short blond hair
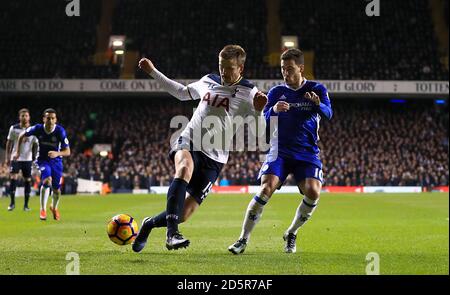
(233,51)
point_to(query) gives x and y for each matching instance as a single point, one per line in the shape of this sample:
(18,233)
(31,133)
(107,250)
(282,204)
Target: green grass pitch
(409,232)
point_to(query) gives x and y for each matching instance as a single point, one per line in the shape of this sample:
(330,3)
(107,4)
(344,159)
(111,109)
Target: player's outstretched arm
(63,153)
(176,89)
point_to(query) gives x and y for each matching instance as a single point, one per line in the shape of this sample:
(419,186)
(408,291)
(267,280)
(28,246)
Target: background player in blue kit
(299,105)
(53,145)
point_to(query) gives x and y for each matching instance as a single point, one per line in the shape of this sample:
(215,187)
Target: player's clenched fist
(312,97)
(146,65)
(259,101)
(281,106)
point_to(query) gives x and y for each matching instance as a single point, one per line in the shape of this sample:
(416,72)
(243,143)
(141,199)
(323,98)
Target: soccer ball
(122,229)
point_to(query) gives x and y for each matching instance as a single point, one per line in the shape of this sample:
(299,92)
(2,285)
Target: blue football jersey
(53,141)
(298,128)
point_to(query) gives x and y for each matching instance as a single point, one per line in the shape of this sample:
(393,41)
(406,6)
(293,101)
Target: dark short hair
(233,51)
(50,111)
(295,54)
(24,110)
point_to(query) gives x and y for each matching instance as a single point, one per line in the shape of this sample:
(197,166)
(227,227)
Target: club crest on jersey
(217,101)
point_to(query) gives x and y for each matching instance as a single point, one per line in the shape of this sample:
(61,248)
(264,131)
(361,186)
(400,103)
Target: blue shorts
(282,167)
(53,169)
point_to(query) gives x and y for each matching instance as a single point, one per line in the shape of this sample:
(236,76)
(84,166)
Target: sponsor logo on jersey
(304,106)
(217,101)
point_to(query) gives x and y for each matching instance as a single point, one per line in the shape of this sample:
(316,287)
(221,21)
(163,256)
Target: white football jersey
(26,150)
(211,128)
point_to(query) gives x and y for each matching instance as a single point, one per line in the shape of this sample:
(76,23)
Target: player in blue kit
(53,145)
(299,105)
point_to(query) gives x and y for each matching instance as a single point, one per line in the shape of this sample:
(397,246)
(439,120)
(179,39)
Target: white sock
(55,200)
(304,212)
(45,192)
(252,215)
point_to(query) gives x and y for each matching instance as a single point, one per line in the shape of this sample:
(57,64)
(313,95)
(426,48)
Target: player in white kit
(197,165)
(26,157)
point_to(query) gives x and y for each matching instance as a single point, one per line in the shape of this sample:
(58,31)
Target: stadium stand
(67,54)
(185,42)
(397,46)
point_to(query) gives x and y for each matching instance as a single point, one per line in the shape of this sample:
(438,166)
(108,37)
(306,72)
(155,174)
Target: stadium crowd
(367,143)
(386,144)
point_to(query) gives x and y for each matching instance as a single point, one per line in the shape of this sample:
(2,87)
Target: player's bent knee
(48,181)
(312,193)
(267,189)
(183,171)
(312,189)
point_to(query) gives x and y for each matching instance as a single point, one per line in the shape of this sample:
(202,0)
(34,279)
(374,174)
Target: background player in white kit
(26,157)
(196,166)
